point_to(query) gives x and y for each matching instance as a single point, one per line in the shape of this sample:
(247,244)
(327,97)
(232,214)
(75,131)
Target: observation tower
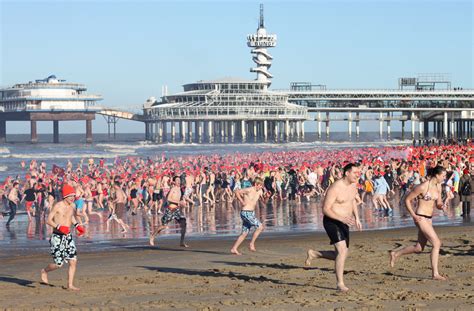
(225,109)
(259,43)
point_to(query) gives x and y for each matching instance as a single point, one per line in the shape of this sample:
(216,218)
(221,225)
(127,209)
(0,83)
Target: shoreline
(207,277)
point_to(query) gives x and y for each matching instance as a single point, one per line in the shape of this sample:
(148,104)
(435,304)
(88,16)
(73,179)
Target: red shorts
(29,204)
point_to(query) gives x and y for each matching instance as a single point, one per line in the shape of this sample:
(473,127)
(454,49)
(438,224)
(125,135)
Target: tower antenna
(261,25)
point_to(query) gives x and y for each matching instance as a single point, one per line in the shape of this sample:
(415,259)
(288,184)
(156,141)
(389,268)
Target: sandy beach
(206,277)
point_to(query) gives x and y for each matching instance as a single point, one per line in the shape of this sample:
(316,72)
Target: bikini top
(427,196)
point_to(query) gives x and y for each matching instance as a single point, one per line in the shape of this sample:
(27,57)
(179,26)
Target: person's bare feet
(439,278)
(73,288)
(182,244)
(310,255)
(342,288)
(235,252)
(152,240)
(392,257)
(44,277)
(252,248)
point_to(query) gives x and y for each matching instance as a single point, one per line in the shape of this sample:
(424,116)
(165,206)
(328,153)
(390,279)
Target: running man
(172,212)
(13,201)
(63,249)
(428,194)
(249,197)
(340,212)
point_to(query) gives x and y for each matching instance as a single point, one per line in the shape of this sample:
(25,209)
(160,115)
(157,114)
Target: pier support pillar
(34,134)
(265,130)
(210,131)
(243,134)
(287,130)
(327,125)
(319,125)
(426,129)
(349,124)
(3,131)
(357,125)
(302,130)
(420,129)
(254,130)
(298,130)
(190,131)
(413,125)
(388,129)
(160,131)
(445,127)
(232,131)
(88,131)
(223,130)
(147,131)
(276,130)
(56,132)
(403,131)
(173,131)
(199,131)
(381,125)
(183,131)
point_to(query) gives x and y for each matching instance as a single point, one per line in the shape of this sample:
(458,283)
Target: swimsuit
(63,248)
(249,220)
(425,216)
(336,230)
(79,203)
(172,214)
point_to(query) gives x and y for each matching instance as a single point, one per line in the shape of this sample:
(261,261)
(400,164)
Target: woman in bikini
(428,195)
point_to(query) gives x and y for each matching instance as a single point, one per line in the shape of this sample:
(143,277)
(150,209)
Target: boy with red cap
(62,216)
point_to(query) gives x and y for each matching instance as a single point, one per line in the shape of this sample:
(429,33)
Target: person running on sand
(428,194)
(172,212)
(340,212)
(63,249)
(249,197)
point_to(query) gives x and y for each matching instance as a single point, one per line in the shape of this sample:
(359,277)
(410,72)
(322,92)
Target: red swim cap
(68,191)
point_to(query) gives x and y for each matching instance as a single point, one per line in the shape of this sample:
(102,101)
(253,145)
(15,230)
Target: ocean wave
(56,155)
(3,168)
(4,150)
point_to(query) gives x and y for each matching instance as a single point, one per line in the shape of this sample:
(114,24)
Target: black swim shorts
(336,230)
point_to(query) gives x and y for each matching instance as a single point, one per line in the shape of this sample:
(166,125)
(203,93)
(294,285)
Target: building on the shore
(229,109)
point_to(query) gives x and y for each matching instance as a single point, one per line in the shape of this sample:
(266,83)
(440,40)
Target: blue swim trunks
(249,220)
(79,203)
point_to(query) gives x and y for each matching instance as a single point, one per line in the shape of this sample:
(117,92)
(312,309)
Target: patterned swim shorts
(171,214)
(63,248)
(249,220)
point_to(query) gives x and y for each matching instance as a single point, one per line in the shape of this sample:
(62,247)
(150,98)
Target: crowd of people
(167,186)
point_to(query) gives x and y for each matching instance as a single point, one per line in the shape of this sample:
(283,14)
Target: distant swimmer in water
(428,195)
(340,212)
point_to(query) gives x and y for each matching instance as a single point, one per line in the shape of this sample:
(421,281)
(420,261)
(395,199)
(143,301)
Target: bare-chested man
(172,212)
(13,201)
(189,190)
(339,209)
(118,207)
(63,249)
(249,197)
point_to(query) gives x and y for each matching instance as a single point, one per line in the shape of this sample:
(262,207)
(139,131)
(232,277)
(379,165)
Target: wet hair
(347,168)
(432,172)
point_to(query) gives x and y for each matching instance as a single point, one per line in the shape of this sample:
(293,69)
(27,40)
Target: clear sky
(126,50)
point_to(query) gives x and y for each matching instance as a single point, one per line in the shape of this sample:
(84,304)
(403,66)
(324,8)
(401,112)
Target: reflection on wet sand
(224,219)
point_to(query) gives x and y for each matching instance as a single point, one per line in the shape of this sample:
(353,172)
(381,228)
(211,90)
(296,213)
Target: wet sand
(206,277)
